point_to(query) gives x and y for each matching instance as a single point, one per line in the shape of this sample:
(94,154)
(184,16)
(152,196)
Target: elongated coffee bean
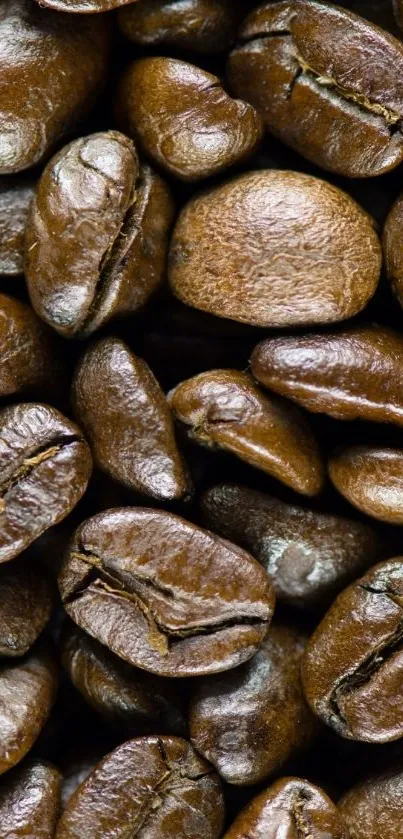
(27,598)
(371,478)
(29,801)
(205,26)
(372,808)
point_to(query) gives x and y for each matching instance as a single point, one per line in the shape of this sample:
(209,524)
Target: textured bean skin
(28,359)
(150,788)
(15,199)
(352,666)
(165,595)
(371,479)
(27,599)
(183,118)
(37,104)
(373,807)
(392,247)
(84,6)
(326,82)
(275,248)
(29,802)
(205,26)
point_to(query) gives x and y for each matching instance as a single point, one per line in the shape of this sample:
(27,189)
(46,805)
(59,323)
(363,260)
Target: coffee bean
(371,479)
(205,26)
(27,599)
(83,6)
(28,359)
(29,801)
(165,595)
(74,775)
(15,199)
(392,248)
(372,809)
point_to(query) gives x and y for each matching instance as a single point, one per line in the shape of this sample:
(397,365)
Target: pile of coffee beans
(201,419)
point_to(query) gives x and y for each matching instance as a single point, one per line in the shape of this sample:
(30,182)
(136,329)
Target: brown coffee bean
(131,430)
(309,556)
(373,808)
(305,66)
(83,6)
(15,200)
(249,722)
(74,775)
(29,802)
(52,68)
(29,362)
(371,478)
(393,249)
(27,692)
(27,599)
(183,118)
(126,697)
(293,808)
(205,26)
(152,787)
(224,409)
(275,248)
(356,373)
(377,11)
(353,664)
(165,595)
(45,467)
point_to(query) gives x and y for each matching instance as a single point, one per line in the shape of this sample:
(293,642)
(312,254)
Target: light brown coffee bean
(372,808)
(371,478)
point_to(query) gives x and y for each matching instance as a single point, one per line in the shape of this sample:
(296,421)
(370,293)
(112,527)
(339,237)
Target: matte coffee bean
(131,431)
(293,808)
(15,200)
(249,722)
(147,788)
(327,83)
(309,556)
(371,479)
(275,249)
(224,409)
(45,466)
(164,594)
(52,69)
(353,664)
(29,362)
(372,808)
(205,26)
(29,802)
(356,373)
(183,118)
(97,234)
(27,599)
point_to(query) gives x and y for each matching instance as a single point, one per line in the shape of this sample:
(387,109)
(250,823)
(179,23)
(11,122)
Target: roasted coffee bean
(15,200)
(356,373)
(380,12)
(165,595)
(27,599)
(27,692)
(131,430)
(309,556)
(45,465)
(371,478)
(224,409)
(83,6)
(392,247)
(28,359)
(126,697)
(183,118)
(205,26)
(74,775)
(275,248)
(372,809)
(147,788)
(327,83)
(29,802)
(97,234)
(249,722)
(293,808)
(52,68)
(353,664)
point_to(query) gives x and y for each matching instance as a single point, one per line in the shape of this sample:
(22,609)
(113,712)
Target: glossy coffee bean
(275,248)
(309,556)
(52,68)
(224,409)
(131,430)
(371,478)
(249,722)
(372,809)
(74,774)
(28,359)
(205,26)
(15,200)
(356,373)
(293,808)
(29,802)
(326,82)
(126,697)
(184,120)
(83,6)
(150,788)
(27,599)
(97,234)
(353,664)
(165,595)
(45,465)
(393,249)
(27,693)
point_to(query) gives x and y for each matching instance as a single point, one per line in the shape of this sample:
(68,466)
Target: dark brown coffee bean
(372,809)
(249,722)
(309,556)
(131,429)
(371,479)
(28,359)
(380,12)
(45,465)
(126,697)
(74,775)
(393,249)
(83,6)
(183,118)
(29,802)
(150,788)
(52,68)
(27,692)
(205,26)
(353,665)
(165,595)
(305,66)
(97,234)
(15,200)
(27,599)
(356,373)
(293,808)
(275,248)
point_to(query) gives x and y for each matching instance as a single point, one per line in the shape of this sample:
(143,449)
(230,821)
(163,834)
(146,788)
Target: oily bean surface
(202,26)
(29,362)
(29,801)
(15,200)
(371,478)
(372,808)
(27,599)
